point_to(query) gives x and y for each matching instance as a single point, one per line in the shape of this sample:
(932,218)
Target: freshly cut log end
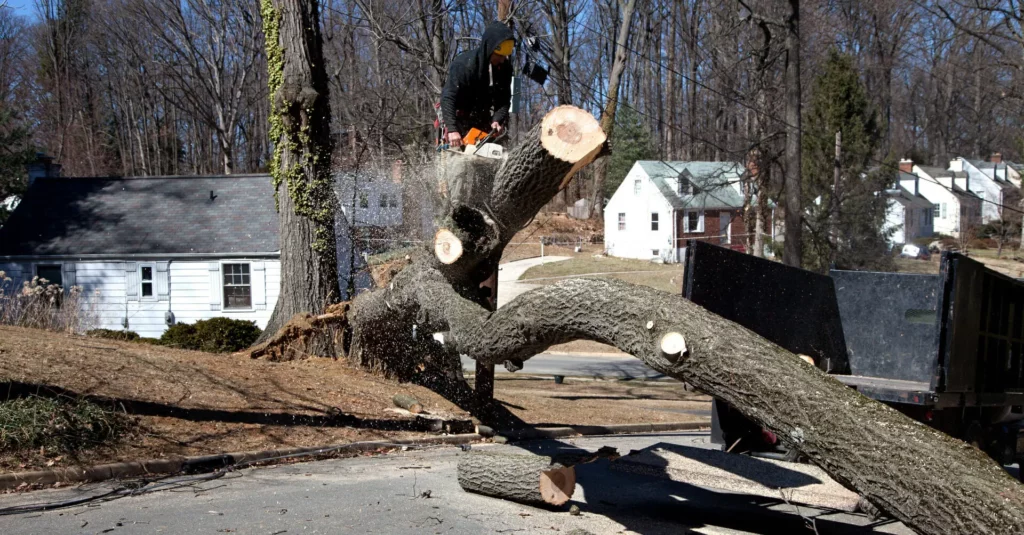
(572,135)
(806,359)
(523,478)
(447,246)
(673,344)
(408,403)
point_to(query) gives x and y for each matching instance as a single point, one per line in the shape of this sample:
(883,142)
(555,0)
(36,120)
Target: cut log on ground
(929,481)
(523,478)
(408,403)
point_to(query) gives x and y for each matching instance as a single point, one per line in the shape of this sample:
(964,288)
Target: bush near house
(215,335)
(110,334)
(58,425)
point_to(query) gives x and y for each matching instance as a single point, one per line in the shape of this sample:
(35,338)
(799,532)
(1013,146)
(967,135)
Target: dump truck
(945,349)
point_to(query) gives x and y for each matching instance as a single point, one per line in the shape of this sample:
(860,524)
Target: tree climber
(478,91)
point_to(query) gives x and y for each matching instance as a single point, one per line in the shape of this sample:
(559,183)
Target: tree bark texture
(529,479)
(792,253)
(301,166)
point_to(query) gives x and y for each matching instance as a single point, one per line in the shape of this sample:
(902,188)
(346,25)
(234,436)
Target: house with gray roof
(150,252)
(954,206)
(990,181)
(660,205)
(908,215)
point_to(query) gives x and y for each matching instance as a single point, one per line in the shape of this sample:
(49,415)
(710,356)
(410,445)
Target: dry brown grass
(192,403)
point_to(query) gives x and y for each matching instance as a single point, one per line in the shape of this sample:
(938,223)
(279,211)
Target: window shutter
(259,285)
(216,286)
(163,281)
(131,281)
(68,275)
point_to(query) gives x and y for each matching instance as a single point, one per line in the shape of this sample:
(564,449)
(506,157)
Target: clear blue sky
(25,8)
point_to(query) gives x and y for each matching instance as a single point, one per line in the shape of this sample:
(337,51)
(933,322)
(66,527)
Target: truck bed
(891,390)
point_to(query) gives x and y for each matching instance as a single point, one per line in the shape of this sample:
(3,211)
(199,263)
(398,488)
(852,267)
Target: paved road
(509,273)
(579,364)
(416,492)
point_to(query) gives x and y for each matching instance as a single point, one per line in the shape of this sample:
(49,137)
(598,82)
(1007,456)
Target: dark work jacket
(469,99)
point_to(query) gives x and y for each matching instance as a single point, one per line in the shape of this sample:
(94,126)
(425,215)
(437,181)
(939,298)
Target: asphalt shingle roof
(157,215)
(715,182)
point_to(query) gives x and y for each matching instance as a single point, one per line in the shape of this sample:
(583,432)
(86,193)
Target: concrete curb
(210,463)
(612,429)
(206,463)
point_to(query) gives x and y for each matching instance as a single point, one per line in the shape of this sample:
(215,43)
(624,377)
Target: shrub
(58,425)
(181,336)
(215,335)
(110,334)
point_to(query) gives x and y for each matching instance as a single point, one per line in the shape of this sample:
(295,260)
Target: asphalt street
(416,492)
(580,365)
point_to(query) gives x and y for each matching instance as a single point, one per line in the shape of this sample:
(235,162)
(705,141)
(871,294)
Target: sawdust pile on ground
(193,403)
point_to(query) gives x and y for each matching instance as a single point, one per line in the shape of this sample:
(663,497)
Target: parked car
(914,251)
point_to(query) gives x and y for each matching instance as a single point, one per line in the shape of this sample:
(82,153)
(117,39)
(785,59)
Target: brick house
(660,205)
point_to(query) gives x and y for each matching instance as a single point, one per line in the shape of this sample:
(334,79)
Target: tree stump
(522,478)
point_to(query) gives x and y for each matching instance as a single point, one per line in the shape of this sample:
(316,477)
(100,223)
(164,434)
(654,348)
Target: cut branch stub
(447,247)
(572,135)
(673,344)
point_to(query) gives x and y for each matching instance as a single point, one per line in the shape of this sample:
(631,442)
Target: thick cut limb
(530,479)
(930,481)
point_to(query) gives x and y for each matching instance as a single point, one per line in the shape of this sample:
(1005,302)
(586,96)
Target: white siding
(183,289)
(894,219)
(988,189)
(638,240)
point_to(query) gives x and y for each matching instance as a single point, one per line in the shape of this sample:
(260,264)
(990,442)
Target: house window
(622,221)
(943,214)
(383,200)
(364,201)
(636,187)
(52,273)
(237,288)
(694,221)
(146,280)
(654,220)
(936,210)
(687,187)
(655,252)
(393,201)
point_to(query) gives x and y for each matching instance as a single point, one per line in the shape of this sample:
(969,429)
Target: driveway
(580,365)
(508,276)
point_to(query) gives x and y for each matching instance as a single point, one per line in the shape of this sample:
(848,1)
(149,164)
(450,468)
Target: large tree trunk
(792,253)
(933,483)
(300,128)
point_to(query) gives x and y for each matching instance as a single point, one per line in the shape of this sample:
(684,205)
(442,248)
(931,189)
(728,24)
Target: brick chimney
(996,157)
(42,167)
(907,165)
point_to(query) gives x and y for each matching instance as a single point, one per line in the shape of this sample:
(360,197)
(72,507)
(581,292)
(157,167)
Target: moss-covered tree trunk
(300,121)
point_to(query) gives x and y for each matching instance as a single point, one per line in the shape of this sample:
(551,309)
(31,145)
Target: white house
(988,180)
(908,215)
(660,205)
(953,206)
(151,252)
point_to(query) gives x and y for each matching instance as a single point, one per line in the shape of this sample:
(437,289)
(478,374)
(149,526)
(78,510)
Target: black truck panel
(890,324)
(793,308)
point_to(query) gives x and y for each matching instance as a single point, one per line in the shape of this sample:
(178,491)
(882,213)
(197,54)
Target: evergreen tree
(843,224)
(631,141)
(15,152)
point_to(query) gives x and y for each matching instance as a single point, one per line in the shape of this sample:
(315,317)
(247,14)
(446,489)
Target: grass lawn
(664,277)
